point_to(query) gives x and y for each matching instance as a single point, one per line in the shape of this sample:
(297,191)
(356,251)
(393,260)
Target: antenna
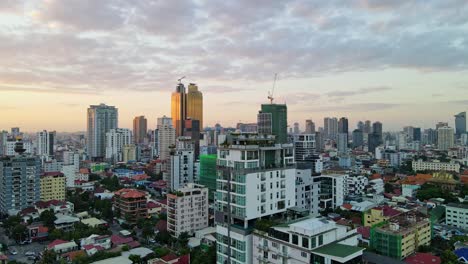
(180,80)
(270,94)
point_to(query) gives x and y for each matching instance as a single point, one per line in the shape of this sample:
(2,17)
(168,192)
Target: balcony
(263,247)
(263,189)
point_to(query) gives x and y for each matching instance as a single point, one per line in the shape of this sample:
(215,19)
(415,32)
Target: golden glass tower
(179,109)
(195,104)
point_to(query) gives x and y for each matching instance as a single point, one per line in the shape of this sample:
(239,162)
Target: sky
(400,62)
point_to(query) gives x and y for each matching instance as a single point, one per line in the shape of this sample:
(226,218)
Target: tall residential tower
(101,119)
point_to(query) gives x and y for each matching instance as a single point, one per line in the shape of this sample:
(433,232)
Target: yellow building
(379,214)
(179,109)
(129,153)
(401,236)
(195,104)
(53,186)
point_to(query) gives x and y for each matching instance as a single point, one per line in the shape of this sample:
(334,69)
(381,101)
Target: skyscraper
(417,134)
(116,139)
(45,143)
(367,127)
(309,127)
(343,125)
(179,109)
(140,127)
(166,137)
(20,181)
(192,130)
(195,104)
(101,119)
(377,129)
(360,126)
(460,123)
(273,119)
(441,124)
(358,138)
(445,138)
(296,128)
(330,127)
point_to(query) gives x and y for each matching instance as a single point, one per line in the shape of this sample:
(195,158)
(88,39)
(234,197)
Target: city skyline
(364,60)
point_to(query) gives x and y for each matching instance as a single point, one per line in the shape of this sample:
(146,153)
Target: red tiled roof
(28,210)
(55,243)
(119,240)
(140,177)
(84,171)
(423,258)
(185,259)
(169,257)
(134,244)
(43,229)
(130,193)
(347,206)
(74,254)
(364,231)
(151,205)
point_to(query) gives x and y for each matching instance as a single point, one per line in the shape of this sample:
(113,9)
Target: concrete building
(342,144)
(140,128)
(460,123)
(358,138)
(116,139)
(307,192)
(182,164)
(357,185)
(20,181)
(10,147)
(100,120)
(330,127)
(333,189)
(129,153)
(45,143)
(457,215)
(435,165)
(304,241)
(272,119)
(309,127)
(445,138)
(207,176)
(256,178)
(130,205)
(53,186)
(304,147)
(166,137)
(401,236)
(187,209)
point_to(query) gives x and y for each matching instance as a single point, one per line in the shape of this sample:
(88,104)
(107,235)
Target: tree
(148,229)
(388,188)
(135,259)
(19,232)
(48,217)
(11,222)
(448,257)
(48,257)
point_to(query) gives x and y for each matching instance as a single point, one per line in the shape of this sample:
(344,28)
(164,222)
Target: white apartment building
(166,137)
(10,147)
(357,185)
(182,164)
(304,147)
(187,209)
(376,186)
(304,241)
(435,165)
(333,189)
(256,178)
(445,138)
(72,158)
(457,215)
(45,143)
(116,139)
(307,191)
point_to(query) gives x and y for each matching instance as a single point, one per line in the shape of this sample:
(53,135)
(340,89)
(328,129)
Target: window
(303,254)
(295,239)
(305,242)
(320,240)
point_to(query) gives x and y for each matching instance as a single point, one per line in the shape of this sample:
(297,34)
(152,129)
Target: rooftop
(337,250)
(458,205)
(423,258)
(130,193)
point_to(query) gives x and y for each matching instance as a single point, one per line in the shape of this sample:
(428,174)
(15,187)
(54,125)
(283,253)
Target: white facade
(357,185)
(70,174)
(342,144)
(445,138)
(304,242)
(182,164)
(116,139)
(10,147)
(100,120)
(333,190)
(457,215)
(304,147)
(52,165)
(45,143)
(307,191)
(72,158)
(377,186)
(187,210)
(166,137)
(435,165)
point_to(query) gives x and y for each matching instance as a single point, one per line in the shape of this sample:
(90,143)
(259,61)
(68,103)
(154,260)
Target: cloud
(362,107)
(361,91)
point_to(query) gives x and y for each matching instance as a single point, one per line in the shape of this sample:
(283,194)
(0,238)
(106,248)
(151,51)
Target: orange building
(418,179)
(130,205)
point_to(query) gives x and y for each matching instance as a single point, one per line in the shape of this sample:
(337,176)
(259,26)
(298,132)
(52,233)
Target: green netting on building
(208,173)
(385,243)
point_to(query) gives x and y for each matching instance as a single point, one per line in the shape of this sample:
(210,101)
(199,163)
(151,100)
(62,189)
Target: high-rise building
(195,104)
(140,127)
(273,120)
(166,137)
(367,127)
(309,127)
(445,138)
(15,132)
(208,174)
(430,136)
(20,181)
(116,139)
(304,147)
(256,178)
(187,210)
(192,130)
(307,191)
(3,142)
(130,205)
(360,125)
(409,131)
(377,129)
(441,124)
(358,138)
(319,145)
(343,125)
(53,186)
(101,119)
(333,189)
(373,141)
(182,163)
(460,123)
(417,134)
(45,143)
(247,127)
(296,128)
(331,127)
(179,109)
(342,143)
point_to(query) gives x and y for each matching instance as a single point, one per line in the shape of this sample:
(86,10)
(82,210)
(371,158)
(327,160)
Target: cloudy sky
(398,61)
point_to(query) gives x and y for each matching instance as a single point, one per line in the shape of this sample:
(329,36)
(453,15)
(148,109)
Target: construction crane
(270,94)
(180,80)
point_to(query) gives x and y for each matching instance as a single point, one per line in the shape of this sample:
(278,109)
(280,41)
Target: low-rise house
(37,232)
(171,259)
(93,222)
(65,222)
(69,257)
(62,246)
(96,240)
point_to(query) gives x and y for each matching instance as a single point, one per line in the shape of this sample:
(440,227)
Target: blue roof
(462,253)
